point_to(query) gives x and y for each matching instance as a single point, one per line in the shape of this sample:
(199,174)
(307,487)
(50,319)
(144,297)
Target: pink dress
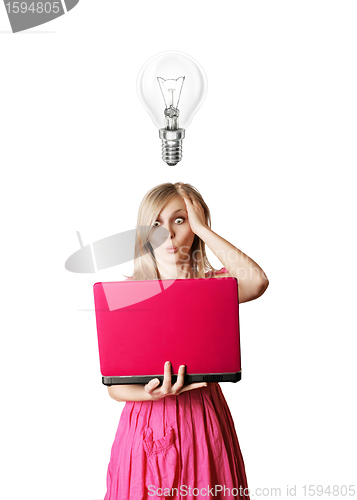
(185,445)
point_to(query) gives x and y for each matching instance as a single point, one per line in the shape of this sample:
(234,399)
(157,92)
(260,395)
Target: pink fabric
(223,270)
(179,442)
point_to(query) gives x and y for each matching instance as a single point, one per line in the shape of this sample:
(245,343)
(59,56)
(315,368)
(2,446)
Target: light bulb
(172,87)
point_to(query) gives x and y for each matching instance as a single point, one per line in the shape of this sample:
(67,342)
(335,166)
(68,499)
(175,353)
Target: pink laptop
(192,322)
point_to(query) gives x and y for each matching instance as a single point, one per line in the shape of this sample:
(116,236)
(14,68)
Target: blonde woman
(179,441)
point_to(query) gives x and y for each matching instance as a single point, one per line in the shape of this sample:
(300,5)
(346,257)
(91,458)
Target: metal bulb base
(171,145)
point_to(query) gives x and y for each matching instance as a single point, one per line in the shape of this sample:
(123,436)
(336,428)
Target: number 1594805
(34,7)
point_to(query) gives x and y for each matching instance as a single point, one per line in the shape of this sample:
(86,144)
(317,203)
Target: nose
(170,231)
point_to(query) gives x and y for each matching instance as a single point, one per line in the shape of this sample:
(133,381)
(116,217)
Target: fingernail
(168,363)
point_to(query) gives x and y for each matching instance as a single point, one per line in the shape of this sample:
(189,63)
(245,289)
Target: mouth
(171,249)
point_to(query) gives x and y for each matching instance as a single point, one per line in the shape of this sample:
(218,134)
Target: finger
(183,191)
(167,376)
(196,201)
(184,194)
(150,386)
(180,378)
(196,385)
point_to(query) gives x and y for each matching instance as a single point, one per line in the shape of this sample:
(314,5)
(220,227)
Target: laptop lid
(143,324)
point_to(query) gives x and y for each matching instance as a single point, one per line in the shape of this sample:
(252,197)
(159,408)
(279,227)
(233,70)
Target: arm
(132,392)
(252,281)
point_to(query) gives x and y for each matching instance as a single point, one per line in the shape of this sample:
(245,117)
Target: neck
(175,271)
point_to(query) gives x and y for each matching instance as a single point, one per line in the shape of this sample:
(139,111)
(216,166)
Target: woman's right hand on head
(167,389)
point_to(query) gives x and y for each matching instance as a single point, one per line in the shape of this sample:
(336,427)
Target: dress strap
(223,270)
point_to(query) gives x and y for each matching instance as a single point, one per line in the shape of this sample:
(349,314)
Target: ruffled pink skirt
(179,447)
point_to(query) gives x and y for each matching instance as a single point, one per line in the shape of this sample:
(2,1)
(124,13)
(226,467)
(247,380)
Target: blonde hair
(145,265)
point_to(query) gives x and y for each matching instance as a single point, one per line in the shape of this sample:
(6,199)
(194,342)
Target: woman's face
(173,217)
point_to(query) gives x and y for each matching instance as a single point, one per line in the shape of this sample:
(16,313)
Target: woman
(179,441)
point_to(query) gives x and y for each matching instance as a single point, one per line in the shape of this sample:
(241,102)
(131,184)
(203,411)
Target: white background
(272,151)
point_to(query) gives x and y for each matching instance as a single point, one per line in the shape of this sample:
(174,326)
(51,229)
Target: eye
(156,223)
